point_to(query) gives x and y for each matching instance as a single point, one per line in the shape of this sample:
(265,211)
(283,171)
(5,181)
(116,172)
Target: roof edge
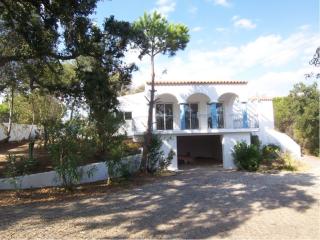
(203,82)
(261,98)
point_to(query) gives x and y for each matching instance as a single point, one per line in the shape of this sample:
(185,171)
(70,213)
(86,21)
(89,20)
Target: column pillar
(182,116)
(213,115)
(245,123)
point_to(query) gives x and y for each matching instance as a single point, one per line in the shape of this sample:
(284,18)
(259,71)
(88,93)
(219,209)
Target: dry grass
(283,162)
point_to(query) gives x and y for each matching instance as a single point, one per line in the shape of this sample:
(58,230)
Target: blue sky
(266,42)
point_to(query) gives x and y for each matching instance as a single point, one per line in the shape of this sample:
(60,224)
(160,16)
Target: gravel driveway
(196,203)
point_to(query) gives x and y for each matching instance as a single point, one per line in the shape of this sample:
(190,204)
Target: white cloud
(243,23)
(278,83)
(305,27)
(221,29)
(165,6)
(271,63)
(197,29)
(224,3)
(193,10)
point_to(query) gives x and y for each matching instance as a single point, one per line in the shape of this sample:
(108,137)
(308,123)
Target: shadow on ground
(196,203)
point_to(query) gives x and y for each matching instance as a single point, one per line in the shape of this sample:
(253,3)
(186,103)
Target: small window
(127,115)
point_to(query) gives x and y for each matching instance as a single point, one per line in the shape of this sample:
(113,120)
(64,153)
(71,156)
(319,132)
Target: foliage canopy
(298,115)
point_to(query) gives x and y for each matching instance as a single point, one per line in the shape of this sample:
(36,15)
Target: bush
(165,162)
(246,157)
(270,151)
(117,151)
(19,165)
(156,159)
(286,162)
(118,168)
(122,148)
(131,147)
(254,139)
(69,150)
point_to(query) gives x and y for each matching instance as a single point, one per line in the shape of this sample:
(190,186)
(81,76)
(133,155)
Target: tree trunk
(10,114)
(46,136)
(148,135)
(31,137)
(72,109)
(33,114)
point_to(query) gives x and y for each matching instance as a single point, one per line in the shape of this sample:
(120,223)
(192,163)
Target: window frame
(189,116)
(164,116)
(125,117)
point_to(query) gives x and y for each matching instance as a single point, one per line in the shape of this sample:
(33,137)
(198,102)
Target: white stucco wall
(18,132)
(213,91)
(228,142)
(51,179)
(2,132)
(138,105)
(267,134)
(265,112)
(286,143)
(170,143)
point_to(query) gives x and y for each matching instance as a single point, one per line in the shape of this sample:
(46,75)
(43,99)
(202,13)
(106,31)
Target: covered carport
(199,150)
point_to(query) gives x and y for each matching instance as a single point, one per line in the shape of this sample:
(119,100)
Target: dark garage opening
(199,150)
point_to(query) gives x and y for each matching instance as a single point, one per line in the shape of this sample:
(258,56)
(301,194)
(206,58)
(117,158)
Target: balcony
(198,123)
(198,114)
(204,121)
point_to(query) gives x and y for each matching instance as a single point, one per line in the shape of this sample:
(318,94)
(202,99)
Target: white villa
(201,121)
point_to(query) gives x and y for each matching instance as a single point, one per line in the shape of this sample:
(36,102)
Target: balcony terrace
(198,115)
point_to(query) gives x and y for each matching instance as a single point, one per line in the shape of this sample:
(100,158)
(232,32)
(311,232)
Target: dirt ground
(41,155)
(199,202)
(21,149)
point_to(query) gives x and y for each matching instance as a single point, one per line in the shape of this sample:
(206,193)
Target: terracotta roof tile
(261,98)
(198,82)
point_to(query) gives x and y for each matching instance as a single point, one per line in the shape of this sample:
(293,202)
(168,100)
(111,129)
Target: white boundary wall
(19,132)
(286,143)
(51,179)
(229,140)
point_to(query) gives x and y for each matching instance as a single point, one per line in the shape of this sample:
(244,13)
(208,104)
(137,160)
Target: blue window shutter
(213,113)
(182,116)
(245,115)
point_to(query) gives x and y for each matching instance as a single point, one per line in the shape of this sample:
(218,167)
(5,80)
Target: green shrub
(270,151)
(246,157)
(117,151)
(119,169)
(69,150)
(131,147)
(164,163)
(156,158)
(254,139)
(19,165)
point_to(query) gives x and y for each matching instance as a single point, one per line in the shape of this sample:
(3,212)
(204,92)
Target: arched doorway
(230,109)
(196,111)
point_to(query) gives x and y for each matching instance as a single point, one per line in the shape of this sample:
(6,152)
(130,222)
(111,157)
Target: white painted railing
(197,121)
